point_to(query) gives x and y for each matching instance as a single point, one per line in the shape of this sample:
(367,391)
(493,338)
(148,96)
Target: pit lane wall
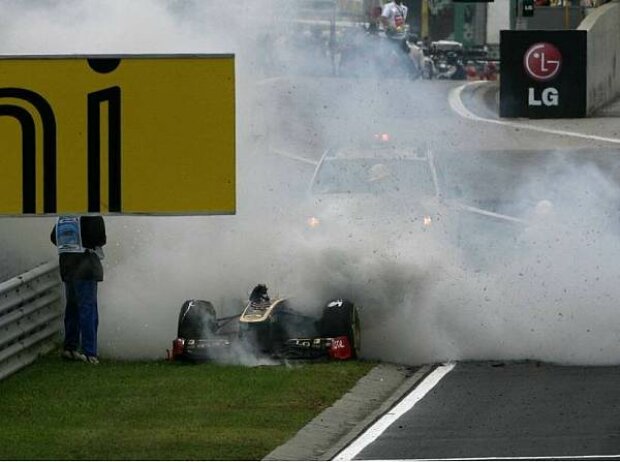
(30,317)
(603,66)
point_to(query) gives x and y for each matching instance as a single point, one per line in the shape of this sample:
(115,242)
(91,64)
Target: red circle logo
(542,61)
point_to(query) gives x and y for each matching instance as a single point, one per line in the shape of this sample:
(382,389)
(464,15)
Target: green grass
(119,410)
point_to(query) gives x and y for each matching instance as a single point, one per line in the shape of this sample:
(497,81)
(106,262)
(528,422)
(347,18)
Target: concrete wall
(498,18)
(555,18)
(603,27)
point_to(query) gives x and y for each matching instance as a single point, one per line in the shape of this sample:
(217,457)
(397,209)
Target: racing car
(402,192)
(273,328)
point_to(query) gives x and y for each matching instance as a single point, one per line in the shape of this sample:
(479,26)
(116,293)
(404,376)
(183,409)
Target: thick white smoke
(548,292)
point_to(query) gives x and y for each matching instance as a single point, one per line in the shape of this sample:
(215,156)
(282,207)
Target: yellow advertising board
(117,135)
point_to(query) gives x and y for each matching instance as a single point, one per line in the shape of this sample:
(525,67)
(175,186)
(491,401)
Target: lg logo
(542,62)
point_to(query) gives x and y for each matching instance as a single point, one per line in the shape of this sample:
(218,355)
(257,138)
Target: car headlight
(313,222)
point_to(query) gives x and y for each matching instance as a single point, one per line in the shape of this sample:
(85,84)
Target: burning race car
(267,328)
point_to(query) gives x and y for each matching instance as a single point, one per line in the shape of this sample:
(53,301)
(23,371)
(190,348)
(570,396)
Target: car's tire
(341,318)
(197,319)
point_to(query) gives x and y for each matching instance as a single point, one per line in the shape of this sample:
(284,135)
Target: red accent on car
(178,345)
(340,348)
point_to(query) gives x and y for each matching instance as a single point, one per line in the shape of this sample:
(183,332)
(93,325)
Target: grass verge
(58,410)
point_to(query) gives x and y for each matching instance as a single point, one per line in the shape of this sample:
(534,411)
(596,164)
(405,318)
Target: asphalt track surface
(337,427)
(509,410)
(479,410)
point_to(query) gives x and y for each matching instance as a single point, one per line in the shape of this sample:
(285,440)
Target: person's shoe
(73,355)
(92,360)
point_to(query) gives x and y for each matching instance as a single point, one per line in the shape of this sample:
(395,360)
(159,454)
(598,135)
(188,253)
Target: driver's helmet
(259,294)
(378,172)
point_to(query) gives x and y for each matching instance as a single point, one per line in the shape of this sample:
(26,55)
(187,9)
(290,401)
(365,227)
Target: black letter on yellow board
(112,96)
(26,120)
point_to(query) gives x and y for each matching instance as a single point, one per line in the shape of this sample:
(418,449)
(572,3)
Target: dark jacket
(87,265)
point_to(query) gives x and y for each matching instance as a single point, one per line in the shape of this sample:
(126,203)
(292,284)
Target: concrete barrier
(603,28)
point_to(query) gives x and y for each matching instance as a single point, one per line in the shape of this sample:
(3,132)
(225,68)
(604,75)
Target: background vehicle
(398,193)
(479,65)
(445,61)
(376,185)
(270,328)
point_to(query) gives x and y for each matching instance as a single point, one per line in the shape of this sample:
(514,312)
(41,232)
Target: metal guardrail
(30,317)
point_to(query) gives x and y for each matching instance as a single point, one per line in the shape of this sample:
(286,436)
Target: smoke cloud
(544,288)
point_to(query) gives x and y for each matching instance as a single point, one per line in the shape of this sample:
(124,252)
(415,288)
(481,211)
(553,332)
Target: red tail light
(383,137)
(340,348)
(178,345)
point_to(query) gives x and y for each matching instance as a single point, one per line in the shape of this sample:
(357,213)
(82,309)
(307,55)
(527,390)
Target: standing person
(393,19)
(79,241)
(394,16)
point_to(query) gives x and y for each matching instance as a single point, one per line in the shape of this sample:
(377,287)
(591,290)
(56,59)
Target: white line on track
(289,155)
(405,405)
(457,106)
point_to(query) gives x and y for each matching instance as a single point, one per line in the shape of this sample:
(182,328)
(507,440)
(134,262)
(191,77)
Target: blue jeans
(81,316)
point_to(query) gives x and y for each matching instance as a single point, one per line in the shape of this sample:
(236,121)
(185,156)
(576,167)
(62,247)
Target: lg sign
(544,73)
(542,62)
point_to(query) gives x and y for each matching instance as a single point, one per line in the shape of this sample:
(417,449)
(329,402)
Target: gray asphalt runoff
(509,410)
(336,427)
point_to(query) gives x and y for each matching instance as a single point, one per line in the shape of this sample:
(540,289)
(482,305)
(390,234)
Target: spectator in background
(394,15)
(79,241)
